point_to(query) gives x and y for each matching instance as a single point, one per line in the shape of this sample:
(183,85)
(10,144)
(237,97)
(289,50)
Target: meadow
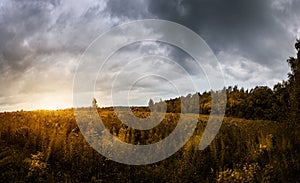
(47,146)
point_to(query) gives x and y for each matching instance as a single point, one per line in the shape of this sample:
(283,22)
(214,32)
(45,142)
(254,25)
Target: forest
(279,103)
(258,141)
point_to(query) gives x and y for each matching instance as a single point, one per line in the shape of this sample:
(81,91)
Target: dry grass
(41,146)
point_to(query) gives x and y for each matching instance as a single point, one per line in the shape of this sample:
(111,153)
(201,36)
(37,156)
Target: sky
(42,43)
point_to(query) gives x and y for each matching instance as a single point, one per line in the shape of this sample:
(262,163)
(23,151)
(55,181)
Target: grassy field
(47,146)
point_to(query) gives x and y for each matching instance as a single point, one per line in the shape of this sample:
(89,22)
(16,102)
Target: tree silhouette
(94,103)
(294,80)
(151,103)
(297,45)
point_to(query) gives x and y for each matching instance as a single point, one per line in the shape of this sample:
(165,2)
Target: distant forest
(280,103)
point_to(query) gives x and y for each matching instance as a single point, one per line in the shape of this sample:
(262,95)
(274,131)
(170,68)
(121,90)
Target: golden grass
(48,146)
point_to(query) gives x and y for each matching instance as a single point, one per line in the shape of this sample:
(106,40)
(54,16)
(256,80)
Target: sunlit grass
(48,146)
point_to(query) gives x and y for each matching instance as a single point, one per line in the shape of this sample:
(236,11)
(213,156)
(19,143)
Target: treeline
(280,103)
(261,102)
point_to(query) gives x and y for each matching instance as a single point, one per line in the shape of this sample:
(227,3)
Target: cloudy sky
(42,41)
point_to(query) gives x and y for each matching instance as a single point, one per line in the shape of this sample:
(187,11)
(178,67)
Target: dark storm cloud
(130,9)
(34,28)
(18,22)
(248,26)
